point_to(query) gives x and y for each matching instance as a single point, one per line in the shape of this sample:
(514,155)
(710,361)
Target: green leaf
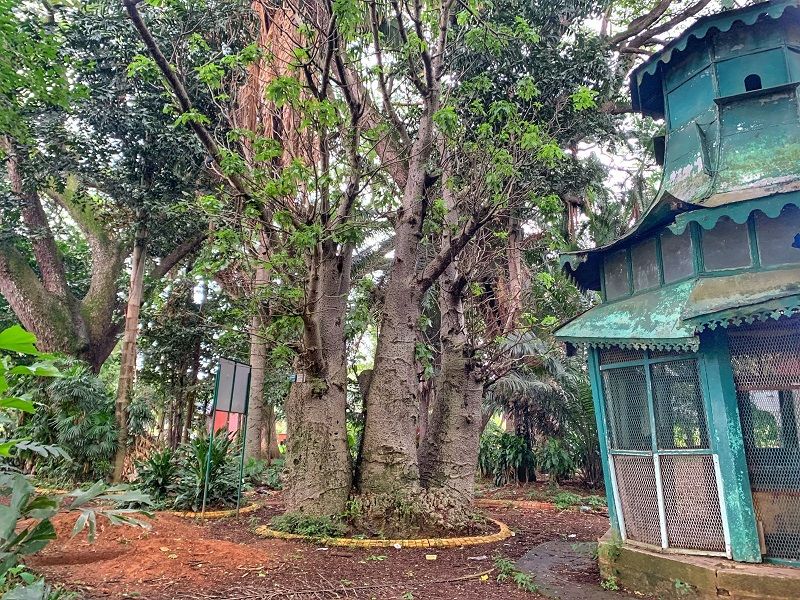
(80,523)
(82,497)
(37,369)
(41,507)
(38,538)
(36,591)
(16,339)
(17,404)
(7,447)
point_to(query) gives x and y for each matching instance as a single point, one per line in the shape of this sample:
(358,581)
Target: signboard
(233,386)
(229,412)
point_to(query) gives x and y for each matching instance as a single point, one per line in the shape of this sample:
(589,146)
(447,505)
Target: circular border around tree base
(212,514)
(501,535)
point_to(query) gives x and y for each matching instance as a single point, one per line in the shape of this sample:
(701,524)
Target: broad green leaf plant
(25,522)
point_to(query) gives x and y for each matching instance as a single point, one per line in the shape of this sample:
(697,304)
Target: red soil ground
(223,560)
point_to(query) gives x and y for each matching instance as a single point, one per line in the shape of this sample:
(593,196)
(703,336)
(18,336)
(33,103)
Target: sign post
(231,396)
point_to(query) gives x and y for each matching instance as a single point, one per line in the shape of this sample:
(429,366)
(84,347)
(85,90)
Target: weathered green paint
(602,434)
(648,319)
(744,296)
(646,79)
(730,151)
(728,442)
(725,145)
(738,212)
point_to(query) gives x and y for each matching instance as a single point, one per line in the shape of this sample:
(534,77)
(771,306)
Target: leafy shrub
(505,456)
(76,413)
(28,585)
(507,572)
(595,502)
(157,474)
(259,473)
(564,500)
(222,467)
(553,458)
(311,526)
(25,525)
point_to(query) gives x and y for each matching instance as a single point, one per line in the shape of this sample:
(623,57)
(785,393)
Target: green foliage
(76,413)
(507,572)
(25,522)
(309,525)
(553,458)
(565,500)
(157,474)
(18,583)
(222,466)
(505,456)
(260,473)
(32,74)
(611,584)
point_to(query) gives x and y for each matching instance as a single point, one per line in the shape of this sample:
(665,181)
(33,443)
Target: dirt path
(224,560)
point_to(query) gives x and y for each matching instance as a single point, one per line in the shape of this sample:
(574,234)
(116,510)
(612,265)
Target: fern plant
(76,413)
(222,468)
(157,474)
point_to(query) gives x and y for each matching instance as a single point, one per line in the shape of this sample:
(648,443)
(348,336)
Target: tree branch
(648,35)
(639,25)
(180,93)
(45,250)
(167,263)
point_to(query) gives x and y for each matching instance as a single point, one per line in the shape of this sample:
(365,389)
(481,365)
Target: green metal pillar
(599,413)
(728,443)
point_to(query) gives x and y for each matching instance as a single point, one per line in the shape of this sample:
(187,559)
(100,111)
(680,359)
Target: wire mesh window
(691,502)
(766,367)
(685,483)
(636,487)
(627,411)
(678,404)
(619,355)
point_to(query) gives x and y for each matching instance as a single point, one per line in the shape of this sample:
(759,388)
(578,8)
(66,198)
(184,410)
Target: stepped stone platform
(687,577)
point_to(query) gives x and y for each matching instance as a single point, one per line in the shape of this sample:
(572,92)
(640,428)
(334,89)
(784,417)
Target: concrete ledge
(688,577)
(501,535)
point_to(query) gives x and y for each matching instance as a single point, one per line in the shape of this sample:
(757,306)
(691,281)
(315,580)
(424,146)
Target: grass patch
(565,500)
(507,572)
(310,526)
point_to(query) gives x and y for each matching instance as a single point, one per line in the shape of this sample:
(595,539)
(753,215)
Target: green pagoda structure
(694,351)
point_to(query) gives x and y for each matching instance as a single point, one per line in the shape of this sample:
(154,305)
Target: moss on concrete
(685,577)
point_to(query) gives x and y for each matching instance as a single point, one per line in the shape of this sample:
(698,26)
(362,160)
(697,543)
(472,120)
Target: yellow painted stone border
(527,504)
(501,535)
(51,491)
(212,514)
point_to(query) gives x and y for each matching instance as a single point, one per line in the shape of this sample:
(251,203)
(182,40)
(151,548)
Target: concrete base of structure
(686,577)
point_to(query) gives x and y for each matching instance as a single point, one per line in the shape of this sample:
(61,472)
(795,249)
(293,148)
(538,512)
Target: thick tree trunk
(258,364)
(127,371)
(269,434)
(389,455)
(449,454)
(317,456)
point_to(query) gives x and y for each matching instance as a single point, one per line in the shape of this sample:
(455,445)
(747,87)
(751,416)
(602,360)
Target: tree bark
(269,434)
(389,456)
(258,363)
(449,453)
(317,455)
(127,372)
